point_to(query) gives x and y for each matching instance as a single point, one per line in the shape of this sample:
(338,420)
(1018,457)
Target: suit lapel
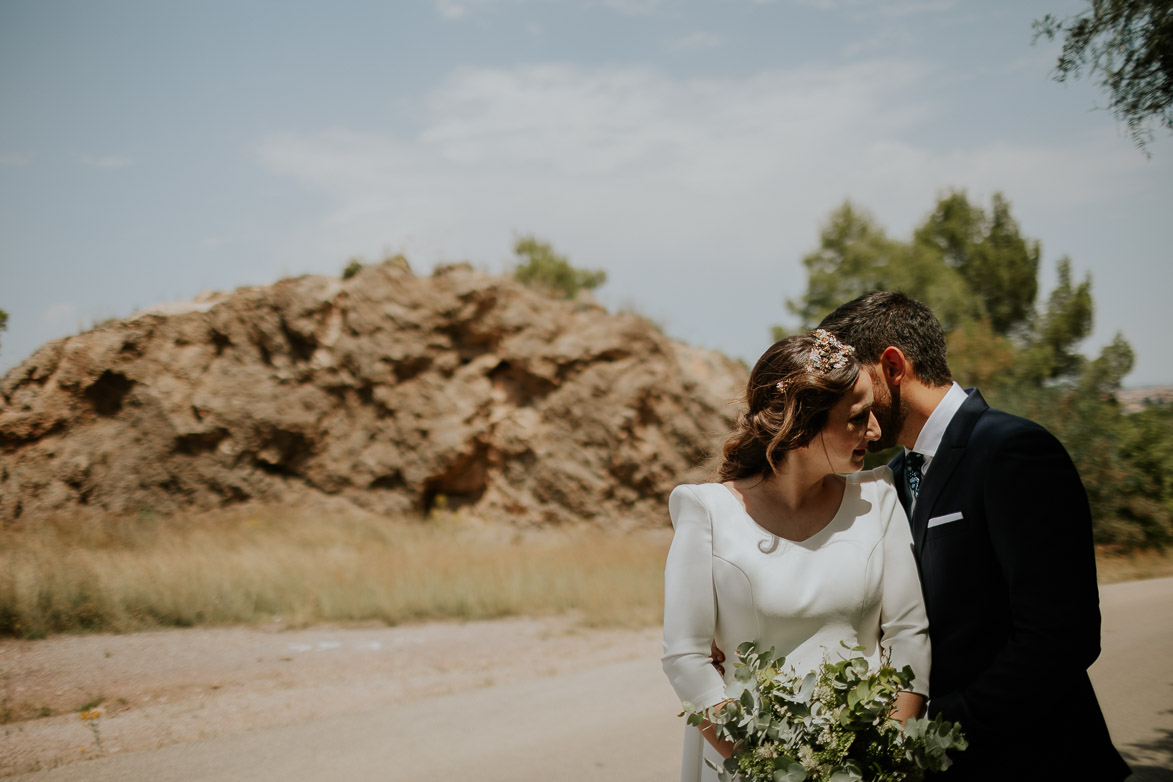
(948,456)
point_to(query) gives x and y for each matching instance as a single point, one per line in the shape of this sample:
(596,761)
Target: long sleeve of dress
(690,605)
(904,624)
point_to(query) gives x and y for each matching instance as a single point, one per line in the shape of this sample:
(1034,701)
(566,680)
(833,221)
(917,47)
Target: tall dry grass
(125,574)
(1114,566)
(121,575)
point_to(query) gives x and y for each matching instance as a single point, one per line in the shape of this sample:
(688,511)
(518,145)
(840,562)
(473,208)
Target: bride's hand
(905,705)
(709,731)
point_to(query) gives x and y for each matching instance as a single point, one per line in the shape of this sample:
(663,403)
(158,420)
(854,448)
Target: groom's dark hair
(873,321)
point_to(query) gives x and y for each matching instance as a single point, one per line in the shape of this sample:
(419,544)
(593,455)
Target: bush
(552,273)
(352,268)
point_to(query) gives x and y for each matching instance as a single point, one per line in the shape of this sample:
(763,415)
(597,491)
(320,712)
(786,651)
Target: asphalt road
(610,722)
(1134,675)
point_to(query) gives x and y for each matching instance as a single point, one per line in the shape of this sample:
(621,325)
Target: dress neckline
(830,522)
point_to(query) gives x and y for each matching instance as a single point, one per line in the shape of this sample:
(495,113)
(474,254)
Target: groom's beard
(890,414)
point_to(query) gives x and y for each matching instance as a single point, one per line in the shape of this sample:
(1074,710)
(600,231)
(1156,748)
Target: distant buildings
(1134,400)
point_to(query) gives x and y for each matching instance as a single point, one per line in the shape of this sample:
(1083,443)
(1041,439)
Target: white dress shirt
(929,439)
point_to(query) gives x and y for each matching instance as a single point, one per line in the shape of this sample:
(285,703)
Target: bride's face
(851,425)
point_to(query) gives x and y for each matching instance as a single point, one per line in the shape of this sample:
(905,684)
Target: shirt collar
(929,439)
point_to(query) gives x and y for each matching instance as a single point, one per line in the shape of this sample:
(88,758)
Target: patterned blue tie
(913,462)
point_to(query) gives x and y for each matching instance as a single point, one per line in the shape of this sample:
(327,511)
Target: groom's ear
(894,366)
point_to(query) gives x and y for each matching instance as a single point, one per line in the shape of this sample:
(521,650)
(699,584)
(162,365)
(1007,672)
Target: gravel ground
(179,686)
(266,704)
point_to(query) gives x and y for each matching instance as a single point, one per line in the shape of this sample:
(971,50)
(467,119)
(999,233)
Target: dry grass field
(1115,567)
(304,568)
(122,575)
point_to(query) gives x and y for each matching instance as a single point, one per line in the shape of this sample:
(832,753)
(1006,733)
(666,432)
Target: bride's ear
(894,367)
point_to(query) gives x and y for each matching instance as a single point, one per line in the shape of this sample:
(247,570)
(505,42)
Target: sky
(151,150)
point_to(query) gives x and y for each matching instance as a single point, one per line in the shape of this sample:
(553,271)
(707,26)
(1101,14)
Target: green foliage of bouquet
(830,725)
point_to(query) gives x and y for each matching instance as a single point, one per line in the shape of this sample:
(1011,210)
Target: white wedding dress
(728,579)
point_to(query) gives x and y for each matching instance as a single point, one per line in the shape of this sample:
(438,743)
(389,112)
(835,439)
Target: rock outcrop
(396,393)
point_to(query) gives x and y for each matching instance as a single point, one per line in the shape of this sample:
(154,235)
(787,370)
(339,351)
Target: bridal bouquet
(830,725)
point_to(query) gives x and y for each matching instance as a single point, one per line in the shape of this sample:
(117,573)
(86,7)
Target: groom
(1002,535)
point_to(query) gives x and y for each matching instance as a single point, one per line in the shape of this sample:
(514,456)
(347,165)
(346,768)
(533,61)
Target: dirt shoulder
(177,686)
(279,702)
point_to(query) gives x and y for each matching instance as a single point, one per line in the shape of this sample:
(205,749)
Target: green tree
(856,256)
(1128,44)
(853,256)
(969,265)
(976,270)
(999,265)
(980,274)
(1146,445)
(548,271)
(1050,352)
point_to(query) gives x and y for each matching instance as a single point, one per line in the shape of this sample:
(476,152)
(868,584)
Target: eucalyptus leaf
(847,775)
(793,772)
(833,719)
(808,687)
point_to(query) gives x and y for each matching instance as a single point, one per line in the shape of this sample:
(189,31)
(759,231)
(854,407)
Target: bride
(795,548)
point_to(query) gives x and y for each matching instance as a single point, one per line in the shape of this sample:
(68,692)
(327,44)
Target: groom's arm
(1039,523)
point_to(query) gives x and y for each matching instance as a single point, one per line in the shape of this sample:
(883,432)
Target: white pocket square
(937,521)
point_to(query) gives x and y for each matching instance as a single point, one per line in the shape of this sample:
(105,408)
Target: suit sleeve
(1039,523)
(690,604)
(904,625)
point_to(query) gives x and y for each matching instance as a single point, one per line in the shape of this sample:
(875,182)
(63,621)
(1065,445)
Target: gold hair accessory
(828,353)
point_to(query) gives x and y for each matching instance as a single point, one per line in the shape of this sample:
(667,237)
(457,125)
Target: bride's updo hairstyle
(790,391)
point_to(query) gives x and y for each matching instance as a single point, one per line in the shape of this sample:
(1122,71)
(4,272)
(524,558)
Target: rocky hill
(389,391)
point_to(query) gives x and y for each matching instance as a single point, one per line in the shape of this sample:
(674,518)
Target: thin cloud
(913,7)
(15,160)
(631,127)
(60,314)
(865,9)
(629,169)
(696,42)
(451,9)
(633,7)
(611,142)
(455,10)
(107,162)
(885,39)
(1037,62)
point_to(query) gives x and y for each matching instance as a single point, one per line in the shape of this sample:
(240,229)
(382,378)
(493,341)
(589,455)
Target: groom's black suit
(1003,538)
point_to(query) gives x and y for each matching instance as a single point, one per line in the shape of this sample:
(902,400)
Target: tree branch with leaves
(1128,44)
